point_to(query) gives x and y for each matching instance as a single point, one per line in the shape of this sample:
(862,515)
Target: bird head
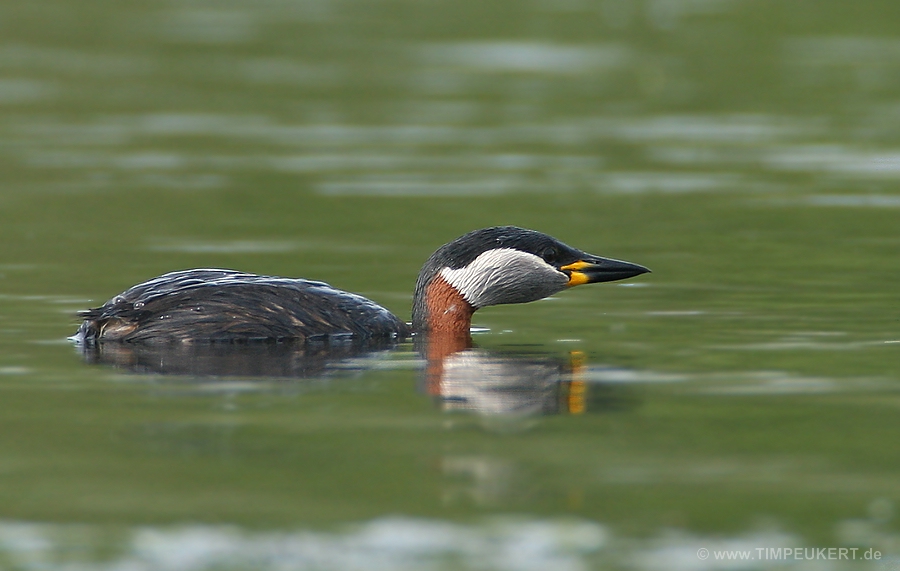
(506,264)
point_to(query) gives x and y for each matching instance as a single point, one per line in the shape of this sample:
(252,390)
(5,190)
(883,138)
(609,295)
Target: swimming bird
(491,266)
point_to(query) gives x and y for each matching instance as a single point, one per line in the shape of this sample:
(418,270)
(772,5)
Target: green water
(743,396)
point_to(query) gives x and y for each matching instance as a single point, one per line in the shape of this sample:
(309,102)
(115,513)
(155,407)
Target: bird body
(486,267)
(226,305)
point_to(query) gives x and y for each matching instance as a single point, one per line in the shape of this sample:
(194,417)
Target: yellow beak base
(576,277)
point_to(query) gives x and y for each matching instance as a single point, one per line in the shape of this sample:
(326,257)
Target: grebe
(485,267)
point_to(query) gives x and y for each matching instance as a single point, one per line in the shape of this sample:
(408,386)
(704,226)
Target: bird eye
(549,255)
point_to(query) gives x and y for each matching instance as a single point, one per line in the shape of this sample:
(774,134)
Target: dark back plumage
(226,305)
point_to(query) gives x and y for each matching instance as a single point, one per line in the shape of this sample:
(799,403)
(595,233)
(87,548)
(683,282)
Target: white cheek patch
(505,275)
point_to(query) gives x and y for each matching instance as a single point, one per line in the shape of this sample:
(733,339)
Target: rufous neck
(447,311)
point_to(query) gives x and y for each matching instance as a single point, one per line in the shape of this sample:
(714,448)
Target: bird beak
(594,269)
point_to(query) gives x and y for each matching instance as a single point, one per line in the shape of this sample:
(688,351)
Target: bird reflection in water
(463,377)
(460,376)
(265,360)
